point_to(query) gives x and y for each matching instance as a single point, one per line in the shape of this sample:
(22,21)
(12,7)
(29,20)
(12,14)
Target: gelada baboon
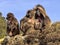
(12,25)
(41,15)
(28,21)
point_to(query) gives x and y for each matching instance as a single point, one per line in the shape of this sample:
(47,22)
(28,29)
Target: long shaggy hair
(12,25)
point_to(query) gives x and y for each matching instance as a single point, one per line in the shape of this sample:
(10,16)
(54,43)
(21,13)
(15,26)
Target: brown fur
(32,20)
(28,21)
(12,25)
(43,16)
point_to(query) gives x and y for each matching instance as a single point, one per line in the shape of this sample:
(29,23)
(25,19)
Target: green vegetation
(2,27)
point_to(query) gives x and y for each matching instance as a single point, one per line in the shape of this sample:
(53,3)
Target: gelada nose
(10,34)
